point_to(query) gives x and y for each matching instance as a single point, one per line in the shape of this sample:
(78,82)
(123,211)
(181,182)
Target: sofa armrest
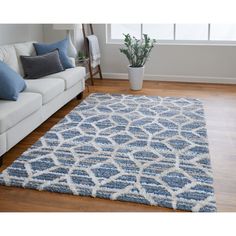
(72,60)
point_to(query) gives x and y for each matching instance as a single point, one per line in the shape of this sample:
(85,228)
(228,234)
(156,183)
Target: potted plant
(81,56)
(81,59)
(137,51)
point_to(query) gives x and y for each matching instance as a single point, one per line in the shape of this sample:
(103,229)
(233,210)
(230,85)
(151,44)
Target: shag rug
(149,150)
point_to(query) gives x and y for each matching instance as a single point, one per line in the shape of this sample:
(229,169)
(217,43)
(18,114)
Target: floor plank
(220,108)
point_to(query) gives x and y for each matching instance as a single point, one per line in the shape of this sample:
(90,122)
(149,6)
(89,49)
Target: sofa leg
(80,95)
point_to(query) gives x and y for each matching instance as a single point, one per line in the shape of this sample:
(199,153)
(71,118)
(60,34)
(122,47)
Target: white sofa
(39,101)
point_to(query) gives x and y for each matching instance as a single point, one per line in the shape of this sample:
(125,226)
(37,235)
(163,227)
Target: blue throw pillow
(11,83)
(42,48)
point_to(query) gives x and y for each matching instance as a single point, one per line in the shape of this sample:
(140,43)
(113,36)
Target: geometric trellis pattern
(143,149)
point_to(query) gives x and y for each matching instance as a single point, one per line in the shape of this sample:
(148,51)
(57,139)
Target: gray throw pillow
(39,66)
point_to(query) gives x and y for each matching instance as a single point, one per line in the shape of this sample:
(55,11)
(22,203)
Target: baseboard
(176,78)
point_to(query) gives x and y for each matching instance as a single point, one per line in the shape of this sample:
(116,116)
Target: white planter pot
(136,77)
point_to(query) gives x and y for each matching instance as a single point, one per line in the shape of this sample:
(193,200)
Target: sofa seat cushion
(12,112)
(48,88)
(70,76)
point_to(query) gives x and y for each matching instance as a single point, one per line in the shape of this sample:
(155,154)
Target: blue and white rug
(149,150)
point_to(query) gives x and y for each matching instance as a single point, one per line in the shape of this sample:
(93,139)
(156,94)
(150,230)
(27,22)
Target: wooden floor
(220,108)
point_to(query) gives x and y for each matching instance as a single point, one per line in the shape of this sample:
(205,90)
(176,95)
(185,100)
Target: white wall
(14,33)
(193,63)
(51,35)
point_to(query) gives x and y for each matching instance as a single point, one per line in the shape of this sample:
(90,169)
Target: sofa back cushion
(11,83)
(8,56)
(24,49)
